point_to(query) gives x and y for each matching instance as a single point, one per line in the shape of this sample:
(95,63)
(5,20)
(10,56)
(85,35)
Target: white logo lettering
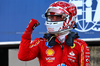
(88,15)
(50,58)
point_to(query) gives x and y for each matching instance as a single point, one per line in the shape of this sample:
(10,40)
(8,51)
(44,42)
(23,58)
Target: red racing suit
(76,55)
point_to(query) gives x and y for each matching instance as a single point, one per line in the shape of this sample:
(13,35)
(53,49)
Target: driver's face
(55,18)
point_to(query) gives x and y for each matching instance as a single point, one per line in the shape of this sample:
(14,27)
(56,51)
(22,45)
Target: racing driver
(59,46)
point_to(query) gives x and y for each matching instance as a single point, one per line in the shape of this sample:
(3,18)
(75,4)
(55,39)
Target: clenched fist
(33,23)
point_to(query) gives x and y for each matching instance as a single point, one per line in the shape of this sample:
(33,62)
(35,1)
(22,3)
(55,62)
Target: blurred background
(16,14)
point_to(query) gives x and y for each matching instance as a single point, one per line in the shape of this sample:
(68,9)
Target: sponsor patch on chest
(50,52)
(72,53)
(50,55)
(72,56)
(50,59)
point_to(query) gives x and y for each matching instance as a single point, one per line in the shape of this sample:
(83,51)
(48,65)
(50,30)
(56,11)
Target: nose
(54,18)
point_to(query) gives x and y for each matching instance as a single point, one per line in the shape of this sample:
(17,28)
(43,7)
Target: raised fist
(32,24)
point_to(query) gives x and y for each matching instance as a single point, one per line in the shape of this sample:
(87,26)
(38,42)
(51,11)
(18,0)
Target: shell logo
(50,52)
